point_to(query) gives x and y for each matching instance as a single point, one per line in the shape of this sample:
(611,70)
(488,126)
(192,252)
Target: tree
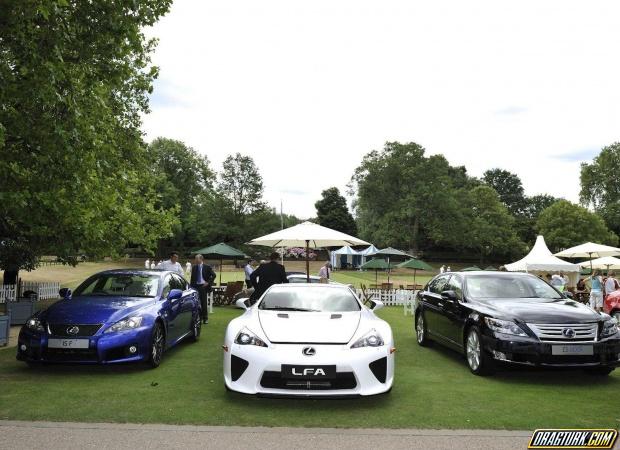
(404,198)
(241,183)
(599,185)
(509,187)
(75,80)
(526,221)
(332,212)
(565,225)
(488,226)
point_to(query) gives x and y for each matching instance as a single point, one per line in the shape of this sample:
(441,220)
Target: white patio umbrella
(604,263)
(308,235)
(589,250)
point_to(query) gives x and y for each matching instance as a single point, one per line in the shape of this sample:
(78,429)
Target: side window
(178,283)
(437,285)
(168,286)
(455,284)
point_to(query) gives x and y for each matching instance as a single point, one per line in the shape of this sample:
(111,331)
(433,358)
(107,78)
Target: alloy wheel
(473,350)
(419,328)
(157,346)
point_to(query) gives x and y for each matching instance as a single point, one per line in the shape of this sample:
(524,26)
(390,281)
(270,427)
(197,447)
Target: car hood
(96,309)
(309,327)
(536,310)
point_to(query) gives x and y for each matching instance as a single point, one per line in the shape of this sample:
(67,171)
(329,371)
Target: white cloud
(307,88)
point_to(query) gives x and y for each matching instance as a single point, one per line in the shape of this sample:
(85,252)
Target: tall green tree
(74,81)
(509,187)
(488,227)
(565,224)
(332,212)
(600,188)
(241,183)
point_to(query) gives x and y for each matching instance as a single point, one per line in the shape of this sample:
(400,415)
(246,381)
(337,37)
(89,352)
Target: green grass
(433,389)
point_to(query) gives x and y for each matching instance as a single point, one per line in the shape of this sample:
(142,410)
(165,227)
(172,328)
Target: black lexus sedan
(515,318)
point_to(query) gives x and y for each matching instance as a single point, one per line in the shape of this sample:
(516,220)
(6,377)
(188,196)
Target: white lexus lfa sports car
(309,340)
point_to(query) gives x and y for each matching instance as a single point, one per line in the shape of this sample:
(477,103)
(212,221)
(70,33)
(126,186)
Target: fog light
(133,349)
(499,355)
(23,348)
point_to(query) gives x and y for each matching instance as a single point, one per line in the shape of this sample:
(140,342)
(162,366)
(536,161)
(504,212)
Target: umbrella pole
(414,272)
(376,276)
(221,263)
(308,261)
(388,269)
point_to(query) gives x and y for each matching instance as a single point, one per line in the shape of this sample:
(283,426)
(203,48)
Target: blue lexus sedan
(116,316)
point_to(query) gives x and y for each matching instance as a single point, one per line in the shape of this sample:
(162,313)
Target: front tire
(158,342)
(196,327)
(421,331)
(478,361)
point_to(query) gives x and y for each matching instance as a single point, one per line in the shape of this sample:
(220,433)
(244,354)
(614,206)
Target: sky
(307,88)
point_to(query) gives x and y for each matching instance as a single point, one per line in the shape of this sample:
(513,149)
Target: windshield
(310,299)
(119,285)
(485,286)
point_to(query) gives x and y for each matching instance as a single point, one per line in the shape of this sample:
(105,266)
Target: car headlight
(126,324)
(370,339)
(246,337)
(610,327)
(35,324)
(504,326)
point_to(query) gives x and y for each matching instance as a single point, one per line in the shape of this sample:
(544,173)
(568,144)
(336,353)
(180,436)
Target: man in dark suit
(202,280)
(266,276)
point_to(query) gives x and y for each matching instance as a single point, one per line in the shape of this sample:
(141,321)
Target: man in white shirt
(442,269)
(610,283)
(248,269)
(172,264)
(188,268)
(147,264)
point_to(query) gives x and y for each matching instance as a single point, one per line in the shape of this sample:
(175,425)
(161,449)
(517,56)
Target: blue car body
(87,321)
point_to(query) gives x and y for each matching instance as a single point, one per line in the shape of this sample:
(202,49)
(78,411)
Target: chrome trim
(553,332)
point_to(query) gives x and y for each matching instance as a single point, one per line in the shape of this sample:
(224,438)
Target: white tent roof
(369,251)
(541,259)
(604,263)
(346,250)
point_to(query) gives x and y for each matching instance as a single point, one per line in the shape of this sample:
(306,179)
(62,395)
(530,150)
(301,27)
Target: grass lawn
(433,389)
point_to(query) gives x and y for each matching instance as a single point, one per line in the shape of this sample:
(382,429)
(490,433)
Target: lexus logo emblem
(568,333)
(309,351)
(73,330)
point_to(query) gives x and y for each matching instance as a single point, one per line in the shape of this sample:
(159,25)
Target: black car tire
(421,331)
(196,327)
(600,371)
(158,344)
(478,361)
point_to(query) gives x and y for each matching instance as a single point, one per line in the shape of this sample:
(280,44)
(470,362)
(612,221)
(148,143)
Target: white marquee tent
(351,256)
(541,261)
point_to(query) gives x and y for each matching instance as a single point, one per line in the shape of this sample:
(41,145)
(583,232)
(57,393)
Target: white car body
(288,335)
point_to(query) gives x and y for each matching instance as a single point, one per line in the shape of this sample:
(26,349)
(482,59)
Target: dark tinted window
(119,285)
(509,286)
(178,282)
(437,285)
(455,284)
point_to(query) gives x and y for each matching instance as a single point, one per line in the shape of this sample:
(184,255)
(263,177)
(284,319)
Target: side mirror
(175,294)
(569,295)
(241,303)
(449,295)
(377,305)
(65,293)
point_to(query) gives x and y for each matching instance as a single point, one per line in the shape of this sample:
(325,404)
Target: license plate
(67,343)
(572,350)
(308,372)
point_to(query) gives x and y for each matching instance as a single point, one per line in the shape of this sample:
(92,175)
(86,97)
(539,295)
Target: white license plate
(67,343)
(572,350)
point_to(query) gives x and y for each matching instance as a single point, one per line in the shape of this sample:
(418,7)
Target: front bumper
(258,370)
(530,352)
(103,348)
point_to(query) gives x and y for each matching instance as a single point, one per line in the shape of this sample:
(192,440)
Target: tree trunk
(10,276)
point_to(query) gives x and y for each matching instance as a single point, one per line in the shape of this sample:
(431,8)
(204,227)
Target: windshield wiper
(285,308)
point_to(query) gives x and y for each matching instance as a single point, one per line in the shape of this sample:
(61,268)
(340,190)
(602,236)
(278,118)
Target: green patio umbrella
(471,269)
(390,252)
(415,264)
(376,265)
(222,251)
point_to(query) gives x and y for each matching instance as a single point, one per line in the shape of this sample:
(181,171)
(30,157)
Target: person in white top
(248,269)
(442,269)
(611,284)
(188,268)
(172,264)
(152,264)
(324,272)
(147,264)
(565,278)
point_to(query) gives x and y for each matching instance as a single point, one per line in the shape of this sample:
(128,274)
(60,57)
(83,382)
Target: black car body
(514,318)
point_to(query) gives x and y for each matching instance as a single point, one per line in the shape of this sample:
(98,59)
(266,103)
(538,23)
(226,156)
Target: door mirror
(175,294)
(65,293)
(242,303)
(449,295)
(569,295)
(376,305)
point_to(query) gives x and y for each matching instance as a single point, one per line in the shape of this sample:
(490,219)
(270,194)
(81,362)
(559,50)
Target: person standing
(266,275)
(611,284)
(202,280)
(325,271)
(442,269)
(248,269)
(147,264)
(596,291)
(152,264)
(173,264)
(448,269)
(566,279)
(188,268)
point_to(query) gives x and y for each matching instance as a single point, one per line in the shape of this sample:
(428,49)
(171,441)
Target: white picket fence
(392,297)
(47,290)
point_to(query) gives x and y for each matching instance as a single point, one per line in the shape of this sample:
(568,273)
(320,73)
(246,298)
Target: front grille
(62,329)
(548,332)
(274,380)
(70,355)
